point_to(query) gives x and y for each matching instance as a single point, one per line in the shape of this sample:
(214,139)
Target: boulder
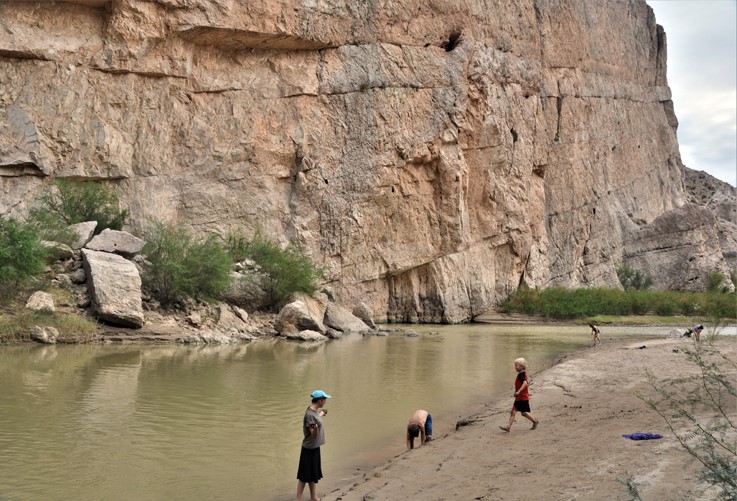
(333,334)
(341,319)
(78,276)
(40,300)
(117,242)
(194,319)
(213,337)
(363,312)
(57,251)
(228,320)
(115,288)
(45,335)
(83,233)
(305,335)
(296,316)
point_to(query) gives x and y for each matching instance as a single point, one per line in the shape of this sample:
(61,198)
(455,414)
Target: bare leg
(511,420)
(300,489)
(313,489)
(531,418)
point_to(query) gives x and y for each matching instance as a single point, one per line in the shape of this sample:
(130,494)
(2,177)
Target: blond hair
(522,362)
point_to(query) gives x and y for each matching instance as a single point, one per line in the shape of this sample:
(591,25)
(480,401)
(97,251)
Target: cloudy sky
(702,73)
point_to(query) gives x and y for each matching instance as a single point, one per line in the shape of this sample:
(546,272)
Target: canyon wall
(432,156)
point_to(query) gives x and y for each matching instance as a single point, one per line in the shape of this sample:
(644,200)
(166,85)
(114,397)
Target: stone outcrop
(676,248)
(56,251)
(116,242)
(297,316)
(343,320)
(83,233)
(363,312)
(115,288)
(428,178)
(721,199)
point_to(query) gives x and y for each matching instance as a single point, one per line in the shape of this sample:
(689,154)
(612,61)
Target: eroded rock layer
(433,156)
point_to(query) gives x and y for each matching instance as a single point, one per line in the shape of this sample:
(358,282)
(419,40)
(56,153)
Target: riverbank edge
(457,465)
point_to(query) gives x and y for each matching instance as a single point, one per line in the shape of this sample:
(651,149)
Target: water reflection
(175,422)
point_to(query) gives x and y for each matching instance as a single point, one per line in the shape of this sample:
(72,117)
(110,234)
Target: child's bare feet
(505,428)
(534,425)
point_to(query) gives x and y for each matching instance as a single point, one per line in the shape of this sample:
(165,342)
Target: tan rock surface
(428,183)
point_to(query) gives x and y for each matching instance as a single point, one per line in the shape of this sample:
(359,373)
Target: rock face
(429,179)
(115,288)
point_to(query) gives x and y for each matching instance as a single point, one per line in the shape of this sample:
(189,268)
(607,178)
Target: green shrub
(67,201)
(184,265)
(633,279)
(22,256)
(713,281)
(562,303)
(285,271)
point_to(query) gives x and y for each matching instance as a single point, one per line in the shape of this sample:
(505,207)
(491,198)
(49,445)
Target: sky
(702,74)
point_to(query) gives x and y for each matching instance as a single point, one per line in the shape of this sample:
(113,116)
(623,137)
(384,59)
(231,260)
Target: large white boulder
(115,288)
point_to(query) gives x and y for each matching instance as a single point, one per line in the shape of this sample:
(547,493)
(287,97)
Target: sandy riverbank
(585,404)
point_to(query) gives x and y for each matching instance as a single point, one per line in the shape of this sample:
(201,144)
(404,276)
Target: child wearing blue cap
(310,465)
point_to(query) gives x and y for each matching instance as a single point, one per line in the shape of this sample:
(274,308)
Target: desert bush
(282,271)
(714,281)
(562,303)
(631,278)
(22,256)
(699,412)
(183,265)
(67,201)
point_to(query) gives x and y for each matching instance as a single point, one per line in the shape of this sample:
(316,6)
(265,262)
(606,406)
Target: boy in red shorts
(521,395)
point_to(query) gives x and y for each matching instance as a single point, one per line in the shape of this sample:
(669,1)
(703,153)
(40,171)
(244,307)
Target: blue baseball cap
(319,394)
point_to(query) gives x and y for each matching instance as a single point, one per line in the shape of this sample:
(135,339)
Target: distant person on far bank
(310,464)
(420,424)
(697,331)
(521,396)
(596,333)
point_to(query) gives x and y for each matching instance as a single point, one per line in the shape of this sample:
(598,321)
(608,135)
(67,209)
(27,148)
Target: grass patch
(566,304)
(16,324)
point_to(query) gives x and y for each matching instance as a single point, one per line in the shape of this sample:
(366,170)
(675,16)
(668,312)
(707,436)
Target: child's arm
(422,434)
(521,389)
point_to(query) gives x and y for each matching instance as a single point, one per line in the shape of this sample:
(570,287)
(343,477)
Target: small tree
(283,271)
(22,256)
(184,265)
(633,279)
(67,201)
(710,440)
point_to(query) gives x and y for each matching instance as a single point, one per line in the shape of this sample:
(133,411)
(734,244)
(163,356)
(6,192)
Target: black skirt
(522,405)
(310,468)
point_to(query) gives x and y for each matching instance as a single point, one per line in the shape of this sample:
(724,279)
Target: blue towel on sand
(643,436)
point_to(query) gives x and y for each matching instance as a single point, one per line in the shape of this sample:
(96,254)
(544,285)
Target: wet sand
(585,404)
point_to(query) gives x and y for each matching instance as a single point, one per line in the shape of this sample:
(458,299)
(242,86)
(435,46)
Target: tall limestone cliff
(432,156)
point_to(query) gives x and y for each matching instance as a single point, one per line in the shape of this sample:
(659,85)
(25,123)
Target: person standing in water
(310,464)
(596,333)
(521,396)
